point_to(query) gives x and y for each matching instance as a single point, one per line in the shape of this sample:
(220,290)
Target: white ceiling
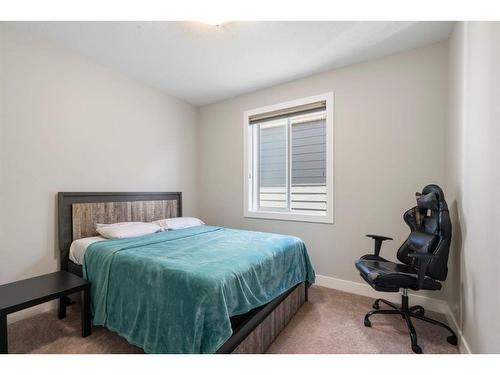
(203,64)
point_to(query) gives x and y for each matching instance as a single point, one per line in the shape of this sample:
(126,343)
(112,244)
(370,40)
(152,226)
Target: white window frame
(248,147)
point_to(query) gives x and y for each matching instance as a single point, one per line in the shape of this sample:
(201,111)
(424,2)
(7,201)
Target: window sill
(288,216)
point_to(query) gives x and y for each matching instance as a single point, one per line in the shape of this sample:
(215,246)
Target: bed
(202,289)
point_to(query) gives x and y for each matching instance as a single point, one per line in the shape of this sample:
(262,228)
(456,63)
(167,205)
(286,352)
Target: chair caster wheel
(367,323)
(376,306)
(416,349)
(452,340)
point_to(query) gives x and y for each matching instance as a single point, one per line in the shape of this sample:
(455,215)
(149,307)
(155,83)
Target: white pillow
(126,229)
(178,223)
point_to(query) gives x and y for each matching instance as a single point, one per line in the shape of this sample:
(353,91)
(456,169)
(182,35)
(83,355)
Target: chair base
(407,313)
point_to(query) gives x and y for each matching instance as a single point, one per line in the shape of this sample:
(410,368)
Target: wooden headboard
(79,212)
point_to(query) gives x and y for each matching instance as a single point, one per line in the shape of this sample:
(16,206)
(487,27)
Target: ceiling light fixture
(214,22)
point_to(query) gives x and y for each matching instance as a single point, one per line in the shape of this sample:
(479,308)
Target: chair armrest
(423,260)
(378,242)
(377,237)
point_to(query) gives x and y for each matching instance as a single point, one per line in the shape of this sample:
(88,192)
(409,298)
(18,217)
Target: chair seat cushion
(373,257)
(386,276)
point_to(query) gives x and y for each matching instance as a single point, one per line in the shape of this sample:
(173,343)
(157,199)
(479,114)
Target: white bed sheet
(79,247)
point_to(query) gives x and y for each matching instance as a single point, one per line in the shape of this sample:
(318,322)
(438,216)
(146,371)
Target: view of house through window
(287,160)
(291,165)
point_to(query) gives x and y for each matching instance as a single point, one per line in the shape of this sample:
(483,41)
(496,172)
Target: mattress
(79,247)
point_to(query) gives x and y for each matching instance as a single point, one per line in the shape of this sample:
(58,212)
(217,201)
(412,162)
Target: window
(289,160)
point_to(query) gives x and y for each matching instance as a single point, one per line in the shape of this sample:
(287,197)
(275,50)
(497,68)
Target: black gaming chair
(423,257)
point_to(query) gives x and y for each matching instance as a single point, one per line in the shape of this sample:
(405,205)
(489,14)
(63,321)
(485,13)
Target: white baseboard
(431,304)
(463,346)
(363,289)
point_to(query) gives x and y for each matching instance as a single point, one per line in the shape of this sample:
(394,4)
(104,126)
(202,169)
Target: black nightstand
(30,292)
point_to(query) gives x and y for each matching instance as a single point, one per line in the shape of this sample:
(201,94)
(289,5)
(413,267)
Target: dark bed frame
(253,332)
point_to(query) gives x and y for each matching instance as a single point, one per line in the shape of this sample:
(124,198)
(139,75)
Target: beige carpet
(331,322)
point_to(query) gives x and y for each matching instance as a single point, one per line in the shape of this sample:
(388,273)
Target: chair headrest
(435,189)
(431,198)
(427,201)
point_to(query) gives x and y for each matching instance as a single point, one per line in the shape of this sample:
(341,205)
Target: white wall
(71,125)
(390,117)
(474,182)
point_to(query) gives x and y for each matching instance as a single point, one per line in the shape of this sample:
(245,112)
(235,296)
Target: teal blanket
(175,291)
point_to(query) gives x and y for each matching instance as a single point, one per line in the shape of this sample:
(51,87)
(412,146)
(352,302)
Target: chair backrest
(430,226)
